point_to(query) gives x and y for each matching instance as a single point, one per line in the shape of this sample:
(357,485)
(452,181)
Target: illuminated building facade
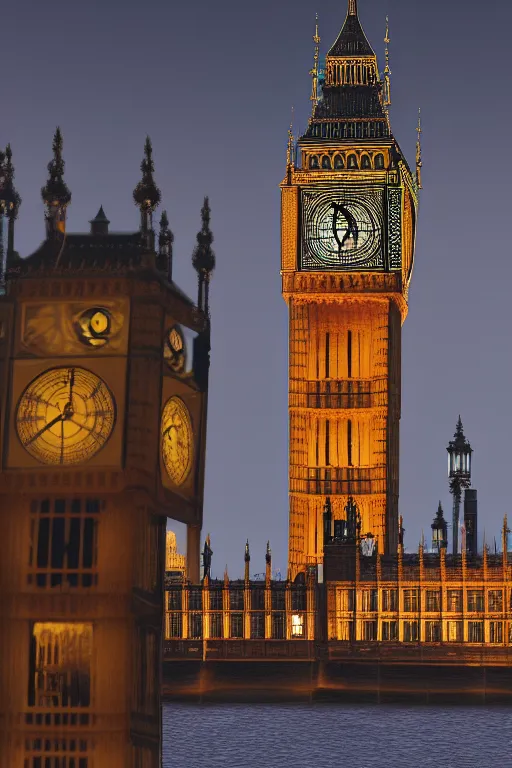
(175,563)
(103,386)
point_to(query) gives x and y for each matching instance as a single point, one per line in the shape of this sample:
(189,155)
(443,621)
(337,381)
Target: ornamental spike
(419,161)
(387,71)
(314,71)
(352,7)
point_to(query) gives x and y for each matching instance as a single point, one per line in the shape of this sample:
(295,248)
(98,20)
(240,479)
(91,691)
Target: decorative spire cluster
(203,258)
(147,195)
(10,202)
(56,195)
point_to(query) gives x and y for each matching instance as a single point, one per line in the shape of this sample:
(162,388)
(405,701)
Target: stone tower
(103,386)
(349,204)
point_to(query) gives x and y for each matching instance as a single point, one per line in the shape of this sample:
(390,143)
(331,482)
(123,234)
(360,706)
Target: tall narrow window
(327,443)
(349,354)
(349,443)
(327,355)
(60,665)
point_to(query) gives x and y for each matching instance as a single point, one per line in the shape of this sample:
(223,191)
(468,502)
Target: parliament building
(104,369)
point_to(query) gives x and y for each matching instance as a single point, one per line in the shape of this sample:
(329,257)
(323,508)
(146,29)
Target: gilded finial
(314,71)
(387,71)
(419,162)
(56,195)
(352,7)
(289,149)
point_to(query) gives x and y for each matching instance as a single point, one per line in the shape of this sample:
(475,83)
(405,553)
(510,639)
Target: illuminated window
(475,632)
(433,600)
(345,599)
(411,600)
(60,665)
(174,599)
(454,631)
(63,549)
(379,162)
(216,625)
(389,599)
(411,631)
(495,597)
(496,632)
(454,600)
(174,628)
(326,162)
(369,600)
(475,601)
(257,626)
(389,631)
(344,630)
(236,625)
(369,631)
(297,625)
(433,631)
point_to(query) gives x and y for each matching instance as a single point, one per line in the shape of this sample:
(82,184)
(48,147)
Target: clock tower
(349,205)
(103,387)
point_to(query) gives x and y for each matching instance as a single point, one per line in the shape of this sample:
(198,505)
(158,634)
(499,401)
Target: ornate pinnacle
(247,554)
(314,71)
(352,7)
(203,258)
(419,162)
(55,193)
(387,70)
(165,241)
(268,554)
(10,200)
(146,194)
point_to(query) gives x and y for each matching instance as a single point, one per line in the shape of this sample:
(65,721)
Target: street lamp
(439,531)
(459,475)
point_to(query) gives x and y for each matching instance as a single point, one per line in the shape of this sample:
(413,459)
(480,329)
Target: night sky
(213,84)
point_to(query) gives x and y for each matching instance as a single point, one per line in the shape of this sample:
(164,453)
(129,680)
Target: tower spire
(419,161)
(352,8)
(203,258)
(314,71)
(387,70)
(165,241)
(56,195)
(9,206)
(147,195)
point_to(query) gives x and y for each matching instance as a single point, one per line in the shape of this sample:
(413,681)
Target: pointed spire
(352,40)
(203,258)
(247,554)
(165,241)
(10,202)
(56,195)
(352,8)
(419,161)
(147,195)
(314,71)
(99,225)
(387,71)
(268,554)
(247,559)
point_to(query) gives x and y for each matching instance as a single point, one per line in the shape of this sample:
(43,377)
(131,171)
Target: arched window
(338,162)
(326,162)
(352,161)
(379,162)
(313,161)
(365,163)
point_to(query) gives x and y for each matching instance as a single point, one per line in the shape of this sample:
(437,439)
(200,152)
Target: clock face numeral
(177,440)
(65,416)
(342,229)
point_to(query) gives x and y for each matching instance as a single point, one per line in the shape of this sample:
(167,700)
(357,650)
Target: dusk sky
(213,84)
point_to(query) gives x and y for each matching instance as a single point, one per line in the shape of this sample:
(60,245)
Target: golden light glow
(65,416)
(177,440)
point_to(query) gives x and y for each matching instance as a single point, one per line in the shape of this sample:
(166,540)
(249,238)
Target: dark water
(321,736)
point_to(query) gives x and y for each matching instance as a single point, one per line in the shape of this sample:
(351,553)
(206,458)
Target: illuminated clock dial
(65,416)
(177,440)
(342,230)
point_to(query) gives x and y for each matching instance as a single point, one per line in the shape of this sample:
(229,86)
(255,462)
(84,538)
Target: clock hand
(47,426)
(62,442)
(71,385)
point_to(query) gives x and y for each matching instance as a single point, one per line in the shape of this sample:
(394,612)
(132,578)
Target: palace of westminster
(104,367)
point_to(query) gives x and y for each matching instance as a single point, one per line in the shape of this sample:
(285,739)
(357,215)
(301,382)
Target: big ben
(349,206)
(103,386)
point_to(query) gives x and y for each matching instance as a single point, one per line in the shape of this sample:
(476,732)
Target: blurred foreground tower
(349,206)
(103,387)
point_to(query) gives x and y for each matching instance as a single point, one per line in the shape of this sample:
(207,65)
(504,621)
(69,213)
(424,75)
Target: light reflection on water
(321,736)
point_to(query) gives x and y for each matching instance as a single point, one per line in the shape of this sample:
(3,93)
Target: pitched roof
(352,40)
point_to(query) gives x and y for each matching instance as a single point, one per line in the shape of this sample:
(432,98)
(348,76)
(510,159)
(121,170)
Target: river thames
(321,736)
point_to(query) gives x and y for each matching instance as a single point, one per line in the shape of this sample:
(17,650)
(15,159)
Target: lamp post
(459,475)
(439,531)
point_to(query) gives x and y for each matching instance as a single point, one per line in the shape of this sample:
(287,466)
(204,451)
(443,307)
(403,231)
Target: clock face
(342,229)
(65,416)
(177,440)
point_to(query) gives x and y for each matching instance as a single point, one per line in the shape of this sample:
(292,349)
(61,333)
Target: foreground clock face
(65,416)
(177,440)
(342,229)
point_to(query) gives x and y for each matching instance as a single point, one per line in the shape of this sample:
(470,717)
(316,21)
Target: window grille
(257,626)
(175,599)
(433,601)
(257,599)
(63,548)
(278,600)
(236,625)
(195,626)
(495,601)
(297,625)
(298,599)
(57,753)
(370,631)
(389,599)
(174,626)
(454,600)
(390,631)
(475,632)
(433,631)
(475,601)
(496,632)
(60,664)
(411,602)
(410,631)
(216,599)
(278,626)
(236,599)
(216,626)
(345,599)
(195,600)
(369,600)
